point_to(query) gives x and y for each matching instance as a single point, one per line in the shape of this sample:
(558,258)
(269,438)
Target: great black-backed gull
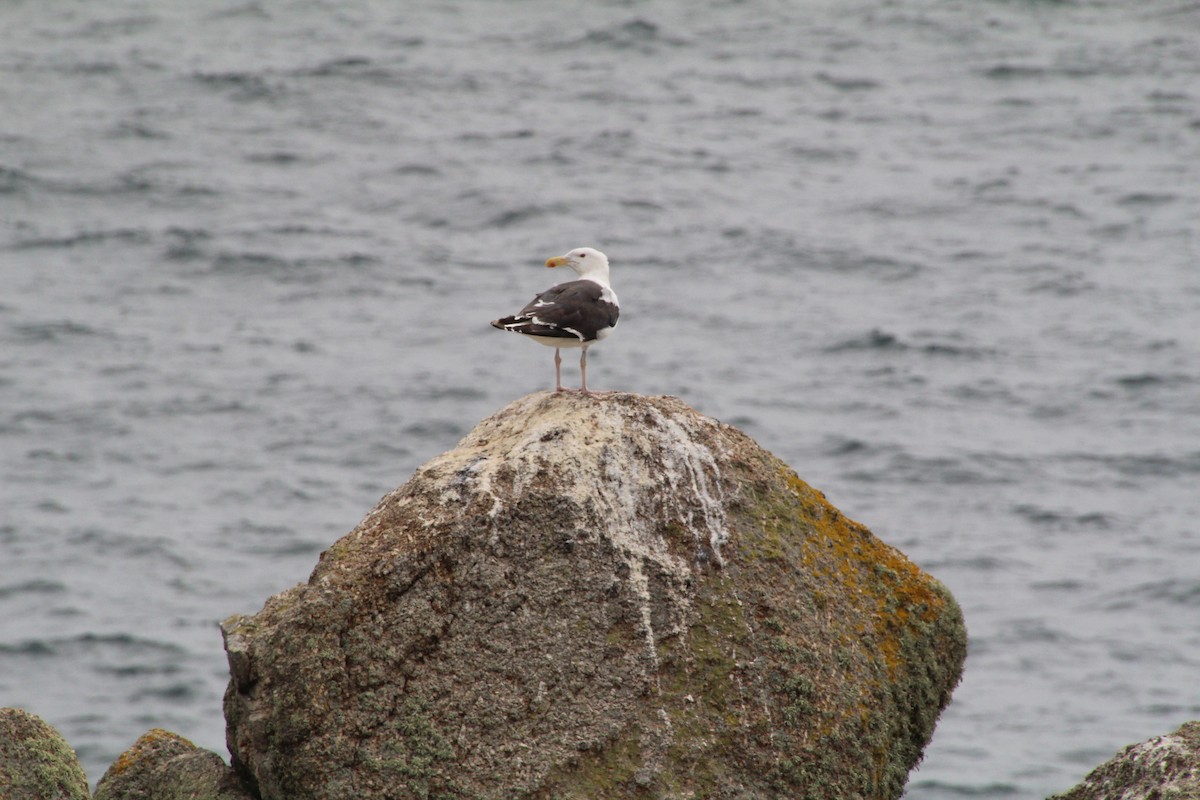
(573,314)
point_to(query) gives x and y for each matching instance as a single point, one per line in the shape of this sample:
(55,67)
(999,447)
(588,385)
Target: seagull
(577,313)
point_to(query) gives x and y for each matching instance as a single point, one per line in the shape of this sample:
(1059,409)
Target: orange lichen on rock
(151,743)
(164,764)
(905,597)
(602,596)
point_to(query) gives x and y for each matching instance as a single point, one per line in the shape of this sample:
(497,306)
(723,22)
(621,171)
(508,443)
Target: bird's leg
(557,371)
(583,371)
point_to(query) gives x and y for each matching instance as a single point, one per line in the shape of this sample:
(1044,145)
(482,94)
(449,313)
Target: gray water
(940,257)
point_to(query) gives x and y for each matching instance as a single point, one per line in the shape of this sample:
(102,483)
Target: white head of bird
(587,262)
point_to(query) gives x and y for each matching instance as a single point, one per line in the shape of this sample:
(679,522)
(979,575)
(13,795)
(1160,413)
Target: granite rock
(36,763)
(596,596)
(165,766)
(1162,768)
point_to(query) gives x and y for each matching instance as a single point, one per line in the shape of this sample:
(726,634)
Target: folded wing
(576,310)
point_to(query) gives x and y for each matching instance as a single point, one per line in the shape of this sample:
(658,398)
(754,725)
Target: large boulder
(165,766)
(1162,768)
(36,763)
(596,596)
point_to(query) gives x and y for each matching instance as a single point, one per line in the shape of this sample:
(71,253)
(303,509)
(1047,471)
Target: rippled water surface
(940,257)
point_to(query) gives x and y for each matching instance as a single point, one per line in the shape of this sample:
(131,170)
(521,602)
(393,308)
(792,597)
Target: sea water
(940,257)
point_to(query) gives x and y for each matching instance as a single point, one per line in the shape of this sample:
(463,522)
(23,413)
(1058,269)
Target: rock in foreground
(596,597)
(162,766)
(1162,768)
(36,763)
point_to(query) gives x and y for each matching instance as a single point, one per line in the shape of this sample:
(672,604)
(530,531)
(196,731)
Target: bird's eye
(583,255)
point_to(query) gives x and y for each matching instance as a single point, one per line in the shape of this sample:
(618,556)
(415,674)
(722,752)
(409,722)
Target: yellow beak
(557,261)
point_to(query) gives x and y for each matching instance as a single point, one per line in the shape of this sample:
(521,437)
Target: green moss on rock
(1162,768)
(165,766)
(36,763)
(597,597)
